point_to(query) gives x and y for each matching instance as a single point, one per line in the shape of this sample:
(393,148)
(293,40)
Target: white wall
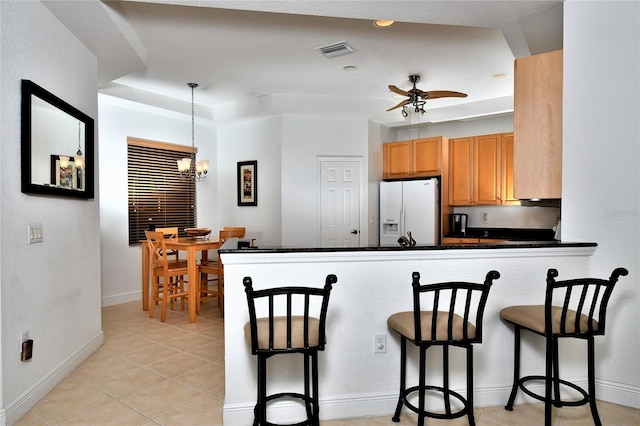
(119,120)
(454,129)
(51,289)
(254,140)
(303,140)
(601,159)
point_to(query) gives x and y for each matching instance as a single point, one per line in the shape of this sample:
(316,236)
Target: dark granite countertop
(484,246)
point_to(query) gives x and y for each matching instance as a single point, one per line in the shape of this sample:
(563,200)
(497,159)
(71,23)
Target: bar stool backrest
(293,318)
(578,306)
(454,310)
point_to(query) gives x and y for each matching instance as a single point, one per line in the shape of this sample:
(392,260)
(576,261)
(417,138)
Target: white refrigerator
(410,206)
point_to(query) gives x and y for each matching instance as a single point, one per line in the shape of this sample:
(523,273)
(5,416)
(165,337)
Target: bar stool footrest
(436,415)
(307,400)
(555,401)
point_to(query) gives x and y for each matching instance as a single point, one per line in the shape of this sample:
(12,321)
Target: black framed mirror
(57,146)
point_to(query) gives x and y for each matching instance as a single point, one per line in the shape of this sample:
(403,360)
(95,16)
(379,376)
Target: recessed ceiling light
(350,68)
(382,23)
(498,75)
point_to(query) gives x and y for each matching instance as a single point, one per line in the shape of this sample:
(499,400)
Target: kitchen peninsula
(372,284)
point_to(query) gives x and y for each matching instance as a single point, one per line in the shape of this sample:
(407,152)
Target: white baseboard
(618,393)
(17,408)
(382,404)
(119,299)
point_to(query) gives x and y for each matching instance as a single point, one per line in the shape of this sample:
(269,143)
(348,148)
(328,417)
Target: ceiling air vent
(335,49)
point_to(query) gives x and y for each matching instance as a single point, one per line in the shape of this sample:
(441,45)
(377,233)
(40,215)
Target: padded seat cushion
(402,322)
(280,332)
(532,317)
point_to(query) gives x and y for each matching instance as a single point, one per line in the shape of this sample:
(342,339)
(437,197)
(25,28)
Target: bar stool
(580,315)
(288,327)
(463,304)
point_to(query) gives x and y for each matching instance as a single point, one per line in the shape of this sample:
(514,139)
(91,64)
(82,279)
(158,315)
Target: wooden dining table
(191,246)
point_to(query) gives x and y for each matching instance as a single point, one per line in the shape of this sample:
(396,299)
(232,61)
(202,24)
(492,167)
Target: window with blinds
(158,196)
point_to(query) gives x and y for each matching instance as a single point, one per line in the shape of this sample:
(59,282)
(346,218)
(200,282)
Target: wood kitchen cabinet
(412,158)
(508,194)
(475,170)
(538,126)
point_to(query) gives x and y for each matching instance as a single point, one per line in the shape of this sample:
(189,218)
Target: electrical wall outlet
(26,346)
(380,343)
(27,350)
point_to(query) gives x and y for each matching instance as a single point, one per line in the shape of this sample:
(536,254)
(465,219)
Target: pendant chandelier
(189,168)
(78,159)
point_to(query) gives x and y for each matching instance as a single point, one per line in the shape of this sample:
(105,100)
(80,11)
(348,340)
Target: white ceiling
(260,55)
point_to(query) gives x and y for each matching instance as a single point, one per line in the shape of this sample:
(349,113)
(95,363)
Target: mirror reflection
(57,145)
(57,141)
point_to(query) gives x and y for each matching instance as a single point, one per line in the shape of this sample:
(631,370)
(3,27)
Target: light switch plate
(35,233)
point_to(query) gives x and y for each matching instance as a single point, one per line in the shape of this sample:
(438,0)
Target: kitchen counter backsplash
(510,216)
(523,234)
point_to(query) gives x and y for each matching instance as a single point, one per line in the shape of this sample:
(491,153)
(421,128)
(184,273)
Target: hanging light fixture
(189,168)
(64,161)
(78,159)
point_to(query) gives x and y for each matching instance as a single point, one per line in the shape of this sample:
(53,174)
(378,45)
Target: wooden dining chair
(170,233)
(211,269)
(167,283)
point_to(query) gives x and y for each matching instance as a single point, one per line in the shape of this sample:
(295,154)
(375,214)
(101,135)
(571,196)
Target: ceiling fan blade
(442,94)
(398,91)
(401,104)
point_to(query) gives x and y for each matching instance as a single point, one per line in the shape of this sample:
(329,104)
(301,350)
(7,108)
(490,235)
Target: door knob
(355,232)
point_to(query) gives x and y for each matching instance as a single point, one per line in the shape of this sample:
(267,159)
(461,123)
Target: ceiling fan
(417,97)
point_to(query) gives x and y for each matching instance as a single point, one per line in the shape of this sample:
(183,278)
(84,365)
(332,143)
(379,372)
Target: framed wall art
(247,183)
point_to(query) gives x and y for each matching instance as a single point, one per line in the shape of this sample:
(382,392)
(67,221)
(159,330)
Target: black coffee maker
(458,224)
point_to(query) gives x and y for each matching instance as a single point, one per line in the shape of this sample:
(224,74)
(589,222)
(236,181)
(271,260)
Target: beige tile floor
(149,373)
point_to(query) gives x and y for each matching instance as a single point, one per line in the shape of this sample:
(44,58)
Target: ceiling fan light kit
(417,98)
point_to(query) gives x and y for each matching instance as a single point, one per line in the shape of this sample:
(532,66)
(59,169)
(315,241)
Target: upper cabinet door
(427,156)
(538,126)
(487,186)
(508,197)
(461,153)
(397,160)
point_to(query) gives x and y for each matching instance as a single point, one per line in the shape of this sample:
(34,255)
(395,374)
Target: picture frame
(68,178)
(247,183)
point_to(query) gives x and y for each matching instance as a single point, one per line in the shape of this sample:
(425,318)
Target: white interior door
(340,202)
